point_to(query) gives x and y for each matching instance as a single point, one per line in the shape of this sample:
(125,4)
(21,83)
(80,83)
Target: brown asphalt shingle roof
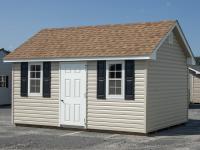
(138,39)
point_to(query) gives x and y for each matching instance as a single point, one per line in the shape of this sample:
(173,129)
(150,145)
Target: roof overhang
(79,59)
(194,70)
(191,60)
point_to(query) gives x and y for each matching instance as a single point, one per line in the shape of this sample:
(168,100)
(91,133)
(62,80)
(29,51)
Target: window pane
(37,83)
(4,78)
(118,74)
(32,89)
(118,67)
(112,91)
(32,74)
(111,74)
(37,74)
(118,83)
(32,83)
(112,83)
(32,67)
(3,81)
(112,67)
(32,86)
(37,90)
(118,91)
(37,67)
(35,86)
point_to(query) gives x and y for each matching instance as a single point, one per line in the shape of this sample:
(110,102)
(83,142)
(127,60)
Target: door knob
(62,100)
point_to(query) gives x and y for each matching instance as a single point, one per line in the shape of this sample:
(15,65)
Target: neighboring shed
(5,79)
(130,77)
(194,84)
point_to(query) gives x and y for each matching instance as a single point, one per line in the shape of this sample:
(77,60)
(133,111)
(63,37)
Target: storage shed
(194,79)
(5,79)
(124,77)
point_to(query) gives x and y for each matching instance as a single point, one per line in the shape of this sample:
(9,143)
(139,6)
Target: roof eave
(194,70)
(79,59)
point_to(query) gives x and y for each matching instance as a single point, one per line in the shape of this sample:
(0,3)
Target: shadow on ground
(192,127)
(194,106)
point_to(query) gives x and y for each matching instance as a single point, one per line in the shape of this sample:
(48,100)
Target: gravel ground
(184,137)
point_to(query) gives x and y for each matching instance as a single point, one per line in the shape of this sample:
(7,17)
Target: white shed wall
(118,114)
(36,110)
(167,88)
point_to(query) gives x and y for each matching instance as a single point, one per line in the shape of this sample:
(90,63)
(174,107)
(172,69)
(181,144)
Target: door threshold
(72,126)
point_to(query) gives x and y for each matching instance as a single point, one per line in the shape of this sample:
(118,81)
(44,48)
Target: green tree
(198,60)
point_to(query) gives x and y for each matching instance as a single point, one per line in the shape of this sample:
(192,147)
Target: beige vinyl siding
(195,85)
(167,88)
(119,114)
(36,110)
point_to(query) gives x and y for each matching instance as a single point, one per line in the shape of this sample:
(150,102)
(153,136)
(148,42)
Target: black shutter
(6,81)
(24,79)
(46,79)
(101,79)
(129,79)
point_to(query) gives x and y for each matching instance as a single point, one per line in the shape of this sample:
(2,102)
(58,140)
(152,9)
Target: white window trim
(108,96)
(2,76)
(41,80)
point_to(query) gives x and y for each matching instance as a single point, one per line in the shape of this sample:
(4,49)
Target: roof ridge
(109,25)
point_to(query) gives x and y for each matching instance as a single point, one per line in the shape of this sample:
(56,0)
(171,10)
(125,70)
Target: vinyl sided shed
(5,79)
(130,77)
(194,78)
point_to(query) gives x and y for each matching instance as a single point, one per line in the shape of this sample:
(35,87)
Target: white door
(73,94)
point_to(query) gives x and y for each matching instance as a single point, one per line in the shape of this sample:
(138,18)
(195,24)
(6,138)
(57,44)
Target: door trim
(85,100)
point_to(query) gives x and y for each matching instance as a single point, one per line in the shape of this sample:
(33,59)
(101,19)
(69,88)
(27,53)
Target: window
(35,79)
(115,79)
(4,81)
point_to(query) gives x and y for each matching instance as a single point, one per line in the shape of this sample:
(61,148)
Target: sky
(21,19)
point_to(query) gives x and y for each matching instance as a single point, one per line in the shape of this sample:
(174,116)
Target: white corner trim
(59,99)
(12,96)
(80,59)
(146,96)
(186,43)
(197,72)
(154,54)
